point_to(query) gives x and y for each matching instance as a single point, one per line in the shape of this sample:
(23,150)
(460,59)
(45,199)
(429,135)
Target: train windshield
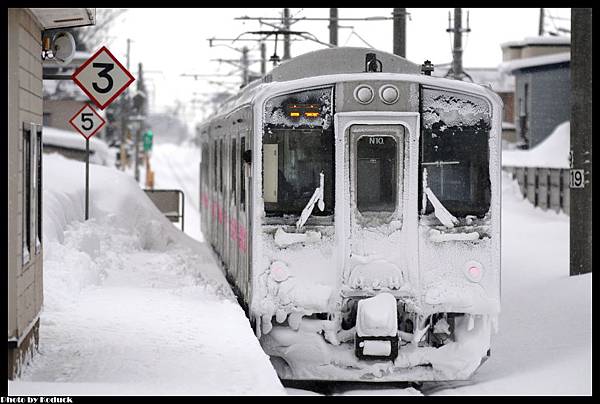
(298,144)
(455,152)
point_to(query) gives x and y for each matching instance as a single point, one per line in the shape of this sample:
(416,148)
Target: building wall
(548,102)
(58,112)
(25,290)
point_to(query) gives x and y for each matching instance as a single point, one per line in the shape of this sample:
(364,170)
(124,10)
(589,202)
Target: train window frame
(215,148)
(399,132)
(481,206)
(284,138)
(394,171)
(221,160)
(242,174)
(233,168)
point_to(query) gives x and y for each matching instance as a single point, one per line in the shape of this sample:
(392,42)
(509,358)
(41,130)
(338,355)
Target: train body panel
(369,244)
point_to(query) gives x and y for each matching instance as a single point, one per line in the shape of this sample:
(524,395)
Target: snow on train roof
(338,61)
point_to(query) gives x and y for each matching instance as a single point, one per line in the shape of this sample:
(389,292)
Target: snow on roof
(539,40)
(73,140)
(499,81)
(543,60)
(553,152)
(62,89)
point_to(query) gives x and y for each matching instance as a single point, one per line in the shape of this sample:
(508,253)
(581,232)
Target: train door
(220,200)
(380,156)
(233,207)
(243,217)
(204,191)
(213,193)
(226,200)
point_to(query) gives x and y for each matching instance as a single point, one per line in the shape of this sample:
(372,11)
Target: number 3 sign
(87,121)
(102,78)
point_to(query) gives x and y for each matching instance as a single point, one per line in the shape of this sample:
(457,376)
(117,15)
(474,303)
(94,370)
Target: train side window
(215,149)
(242,177)
(233,169)
(376,174)
(221,160)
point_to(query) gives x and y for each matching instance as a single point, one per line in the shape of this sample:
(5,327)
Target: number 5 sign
(102,78)
(87,121)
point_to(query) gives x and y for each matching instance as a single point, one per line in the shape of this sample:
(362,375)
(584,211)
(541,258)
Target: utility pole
(581,141)
(128,48)
(400,32)
(541,27)
(456,71)
(286,37)
(245,63)
(124,117)
(140,111)
(263,58)
(333,26)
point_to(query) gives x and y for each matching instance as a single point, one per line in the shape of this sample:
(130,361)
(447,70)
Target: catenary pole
(333,26)
(286,37)
(399,15)
(581,141)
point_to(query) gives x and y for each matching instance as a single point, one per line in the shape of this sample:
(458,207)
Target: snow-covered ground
(191,337)
(132,305)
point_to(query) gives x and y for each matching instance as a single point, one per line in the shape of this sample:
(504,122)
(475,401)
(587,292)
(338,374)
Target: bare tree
(90,38)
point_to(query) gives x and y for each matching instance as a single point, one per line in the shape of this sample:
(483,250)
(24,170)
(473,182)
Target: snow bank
(553,152)
(132,306)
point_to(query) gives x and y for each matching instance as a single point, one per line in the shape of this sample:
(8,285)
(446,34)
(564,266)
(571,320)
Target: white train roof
(338,65)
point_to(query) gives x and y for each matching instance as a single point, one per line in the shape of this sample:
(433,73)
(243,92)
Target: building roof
(544,60)
(64,17)
(499,81)
(562,40)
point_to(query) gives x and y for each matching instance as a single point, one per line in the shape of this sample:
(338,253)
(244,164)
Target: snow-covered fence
(547,188)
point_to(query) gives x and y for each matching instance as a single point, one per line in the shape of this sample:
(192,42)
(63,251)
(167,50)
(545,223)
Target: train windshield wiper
(440,210)
(317,198)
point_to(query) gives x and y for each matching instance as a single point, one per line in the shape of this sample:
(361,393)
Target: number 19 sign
(102,77)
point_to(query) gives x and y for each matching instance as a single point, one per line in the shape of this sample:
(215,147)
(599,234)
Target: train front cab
(377,236)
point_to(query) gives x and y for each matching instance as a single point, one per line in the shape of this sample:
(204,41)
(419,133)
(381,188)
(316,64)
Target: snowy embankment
(544,343)
(131,304)
(552,152)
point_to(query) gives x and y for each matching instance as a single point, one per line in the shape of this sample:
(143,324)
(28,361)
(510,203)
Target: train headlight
(389,94)
(473,270)
(279,271)
(364,94)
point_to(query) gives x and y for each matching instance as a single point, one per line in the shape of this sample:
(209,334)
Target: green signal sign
(148,135)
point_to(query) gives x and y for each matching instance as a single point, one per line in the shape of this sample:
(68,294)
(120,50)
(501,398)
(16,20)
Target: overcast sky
(172,41)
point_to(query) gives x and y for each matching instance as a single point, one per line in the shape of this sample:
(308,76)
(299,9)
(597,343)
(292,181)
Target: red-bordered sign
(87,121)
(102,77)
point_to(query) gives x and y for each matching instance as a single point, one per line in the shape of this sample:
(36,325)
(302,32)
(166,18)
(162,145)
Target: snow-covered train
(354,202)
